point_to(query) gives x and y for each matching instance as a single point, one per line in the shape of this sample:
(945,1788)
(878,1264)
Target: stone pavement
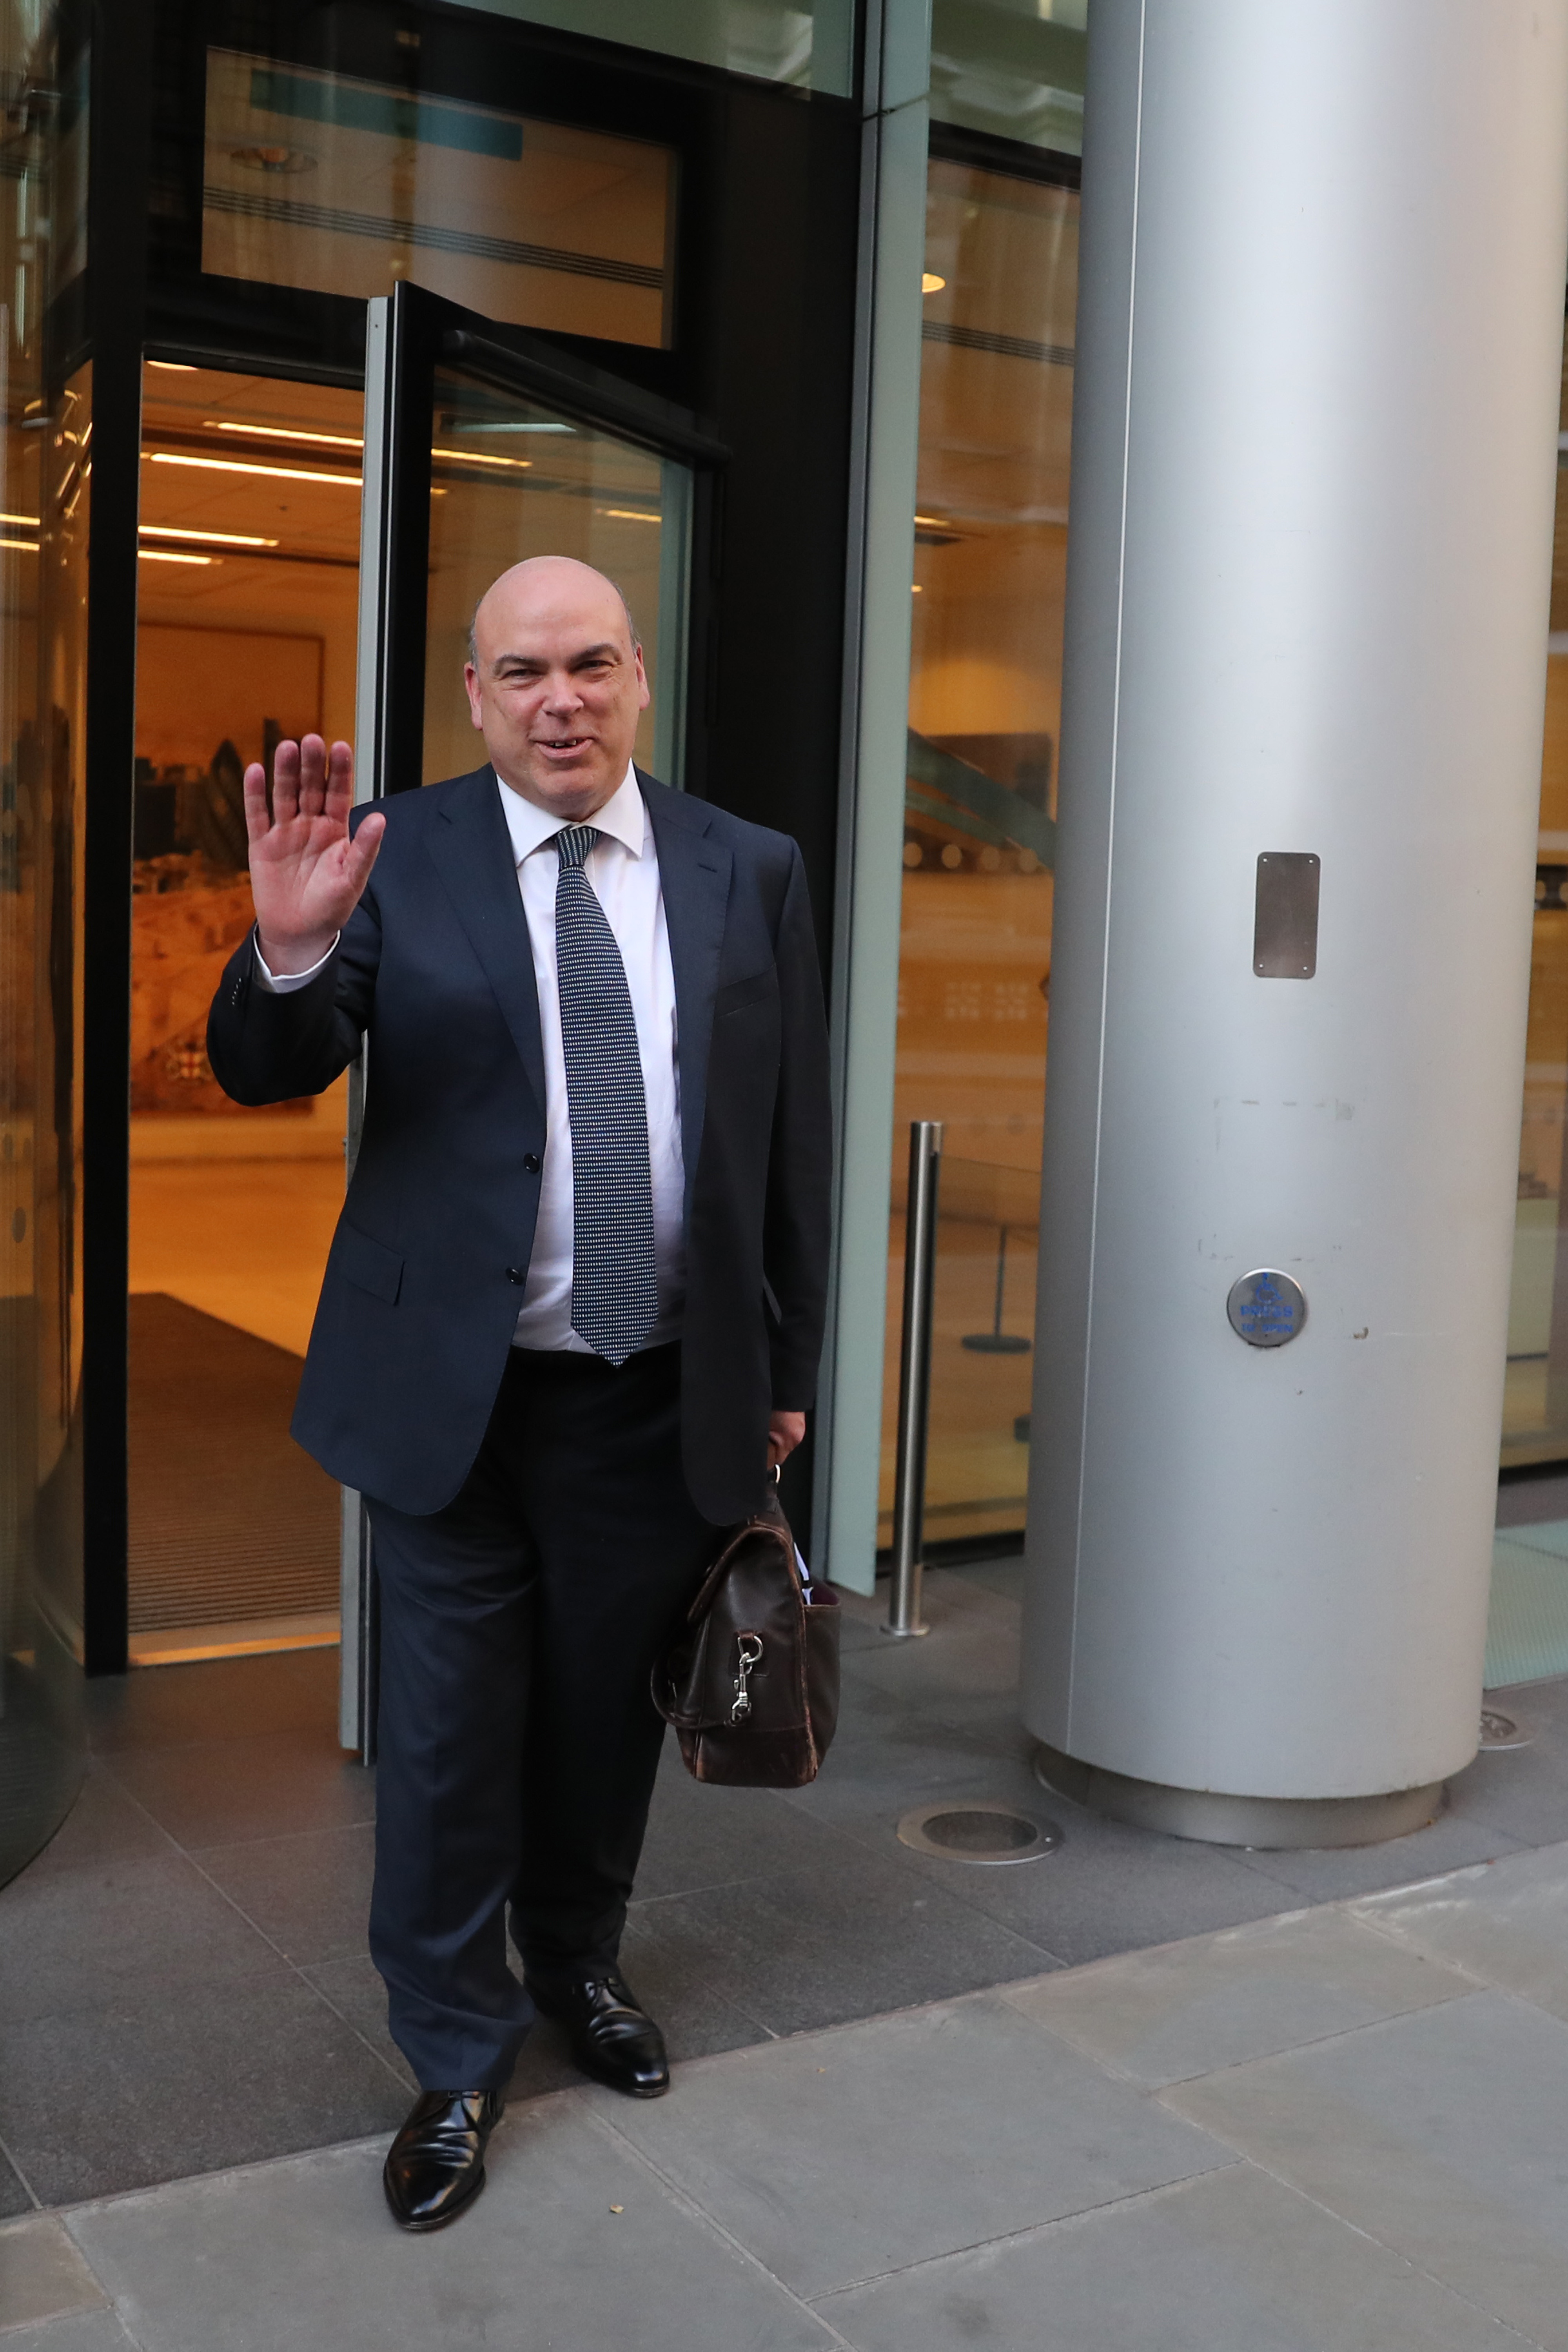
(1338,2130)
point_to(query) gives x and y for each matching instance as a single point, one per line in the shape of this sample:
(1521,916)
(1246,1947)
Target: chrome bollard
(914,1380)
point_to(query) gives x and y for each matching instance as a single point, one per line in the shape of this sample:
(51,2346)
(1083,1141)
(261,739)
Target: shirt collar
(623,818)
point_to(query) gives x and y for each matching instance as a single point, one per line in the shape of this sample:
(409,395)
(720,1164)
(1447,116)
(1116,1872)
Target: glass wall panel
(329,182)
(1012,68)
(1536,1407)
(812,46)
(985,705)
(45,497)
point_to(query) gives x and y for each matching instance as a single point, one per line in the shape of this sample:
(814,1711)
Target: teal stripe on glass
(354,106)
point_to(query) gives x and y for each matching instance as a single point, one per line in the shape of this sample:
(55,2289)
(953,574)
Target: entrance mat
(1527,1623)
(230,1520)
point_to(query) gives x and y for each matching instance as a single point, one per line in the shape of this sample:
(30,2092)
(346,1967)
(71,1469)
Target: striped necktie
(615,1286)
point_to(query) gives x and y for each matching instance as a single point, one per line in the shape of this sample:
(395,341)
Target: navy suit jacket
(421,1293)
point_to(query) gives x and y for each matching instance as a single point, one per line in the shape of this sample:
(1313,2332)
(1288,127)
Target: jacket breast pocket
(368,1264)
(759,988)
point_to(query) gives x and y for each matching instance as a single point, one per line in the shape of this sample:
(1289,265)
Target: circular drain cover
(978,1830)
(1500,1730)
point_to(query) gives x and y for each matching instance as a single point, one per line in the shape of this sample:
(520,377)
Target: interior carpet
(229,1518)
(1527,1625)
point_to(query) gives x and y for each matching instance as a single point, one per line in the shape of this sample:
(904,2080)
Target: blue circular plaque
(1266,1308)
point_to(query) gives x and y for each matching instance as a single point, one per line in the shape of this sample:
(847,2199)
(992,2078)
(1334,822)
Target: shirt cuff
(284,983)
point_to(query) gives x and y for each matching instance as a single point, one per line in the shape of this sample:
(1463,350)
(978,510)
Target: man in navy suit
(572,1312)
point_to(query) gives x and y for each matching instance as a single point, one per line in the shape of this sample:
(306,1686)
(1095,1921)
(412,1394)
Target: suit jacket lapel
(472,850)
(694,876)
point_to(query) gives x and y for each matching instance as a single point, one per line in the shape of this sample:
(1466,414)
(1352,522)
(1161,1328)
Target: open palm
(307,874)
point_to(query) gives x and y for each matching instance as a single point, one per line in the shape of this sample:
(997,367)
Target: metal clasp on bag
(748,1650)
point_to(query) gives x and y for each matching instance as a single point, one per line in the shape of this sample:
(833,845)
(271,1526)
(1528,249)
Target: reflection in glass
(510,480)
(325,180)
(811,45)
(1012,68)
(985,720)
(45,455)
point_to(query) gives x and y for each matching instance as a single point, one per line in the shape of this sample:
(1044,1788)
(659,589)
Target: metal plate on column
(1266,1308)
(1285,915)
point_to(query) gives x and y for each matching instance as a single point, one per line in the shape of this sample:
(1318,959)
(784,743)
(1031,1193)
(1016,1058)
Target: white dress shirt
(623,871)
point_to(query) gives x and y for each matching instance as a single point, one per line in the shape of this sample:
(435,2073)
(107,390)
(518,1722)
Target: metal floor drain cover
(1500,1730)
(978,1830)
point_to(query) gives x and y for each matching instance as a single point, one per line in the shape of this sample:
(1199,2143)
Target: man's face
(559,685)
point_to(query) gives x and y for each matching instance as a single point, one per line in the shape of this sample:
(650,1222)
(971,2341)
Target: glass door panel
(512,478)
(483,447)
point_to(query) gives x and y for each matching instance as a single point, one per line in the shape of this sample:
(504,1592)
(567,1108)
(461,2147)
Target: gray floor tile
(97,2331)
(357,1993)
(1187,2009)
(833,2157)
(221,1699)
(105,1824)
(1506,1922)
(1333,1875)
(217,2074)
(972,1651)
(310,1894)
(668,1977)
(297,2257)
(700,1837)
(1004,1577)
(812,1949)
(42,2273)
(1230,2263)
(14,2197)
(1526,1502)
(1108,1887)
(1440,2133)
(1522,1791)
(80,1938)
(215,1792)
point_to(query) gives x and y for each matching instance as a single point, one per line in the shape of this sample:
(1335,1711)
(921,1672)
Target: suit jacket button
(517,1273)
(530,1163)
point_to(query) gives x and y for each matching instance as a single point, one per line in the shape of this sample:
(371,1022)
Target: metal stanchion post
(914,1379)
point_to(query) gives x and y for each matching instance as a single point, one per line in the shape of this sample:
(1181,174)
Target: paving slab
(1185,2009)
(1441,2134)
(835,2158)
(82,1937)
(298,2256)
(1506,1922)
(1231,2262)
(42,2273)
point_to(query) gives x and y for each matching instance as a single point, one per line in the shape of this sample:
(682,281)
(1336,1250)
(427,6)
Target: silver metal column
(1314,439)
(914,1379)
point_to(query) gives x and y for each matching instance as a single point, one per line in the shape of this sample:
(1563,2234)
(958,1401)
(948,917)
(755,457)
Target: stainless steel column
(914,1379)
(1314,439)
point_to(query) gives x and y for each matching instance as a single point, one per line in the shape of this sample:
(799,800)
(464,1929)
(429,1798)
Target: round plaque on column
(1266,1308)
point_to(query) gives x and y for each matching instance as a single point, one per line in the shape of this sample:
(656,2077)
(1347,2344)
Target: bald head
(564,563)
(556,683)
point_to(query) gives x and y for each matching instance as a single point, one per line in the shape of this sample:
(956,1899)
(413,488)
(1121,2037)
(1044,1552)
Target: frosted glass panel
(1012,68)
(811,45)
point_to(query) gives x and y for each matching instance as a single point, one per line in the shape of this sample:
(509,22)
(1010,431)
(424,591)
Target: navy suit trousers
(516,1739)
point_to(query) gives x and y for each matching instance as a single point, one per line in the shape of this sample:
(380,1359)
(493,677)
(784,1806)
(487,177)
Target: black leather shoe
(611,2039)
(436,2167)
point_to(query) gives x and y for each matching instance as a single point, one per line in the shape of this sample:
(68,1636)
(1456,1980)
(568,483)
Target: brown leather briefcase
(751,1685)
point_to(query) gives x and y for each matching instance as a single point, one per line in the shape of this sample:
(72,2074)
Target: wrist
(286,958)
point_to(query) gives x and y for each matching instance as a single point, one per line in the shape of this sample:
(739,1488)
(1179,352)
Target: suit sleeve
(266,1048)
(798,1216)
